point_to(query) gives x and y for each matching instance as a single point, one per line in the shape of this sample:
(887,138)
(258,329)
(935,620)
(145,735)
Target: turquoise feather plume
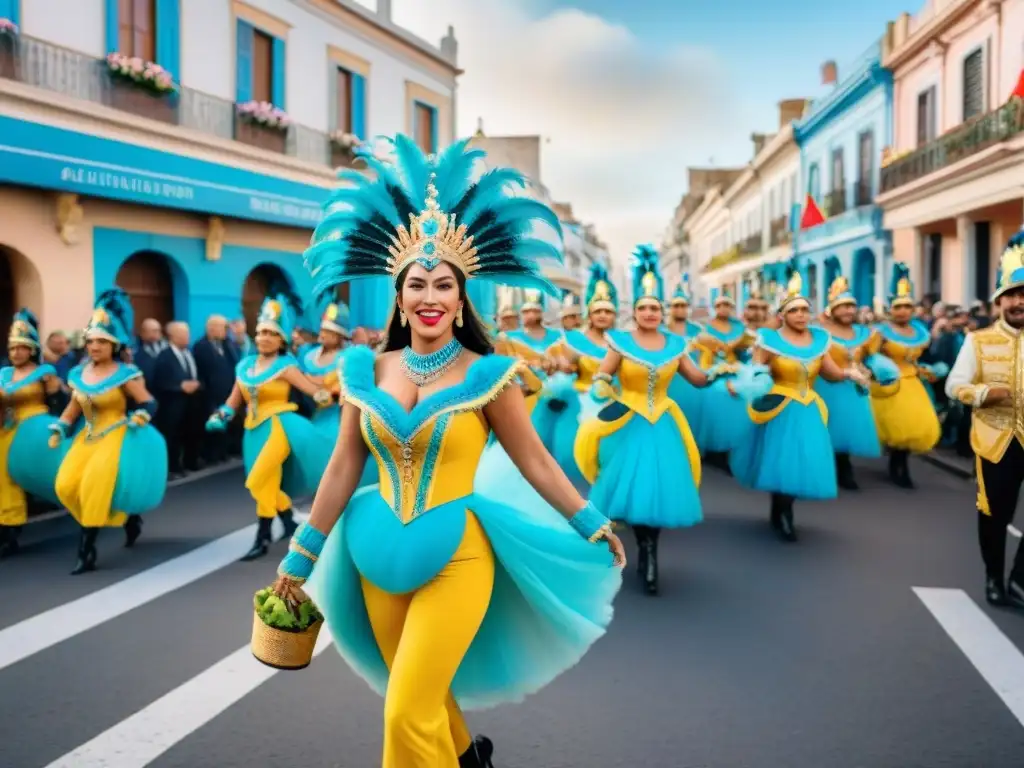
(645,262)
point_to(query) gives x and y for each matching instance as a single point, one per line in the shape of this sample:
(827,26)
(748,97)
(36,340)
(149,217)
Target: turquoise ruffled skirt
(690,401)
(141,471)
(31,463)
(645,476)
(310,451)
(556,417)
(791,454)
(723,423)
(851,425)
(552,596)
(327,421)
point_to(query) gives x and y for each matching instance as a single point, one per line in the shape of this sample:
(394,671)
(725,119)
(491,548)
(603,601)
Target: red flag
(811,216)
(1018,92)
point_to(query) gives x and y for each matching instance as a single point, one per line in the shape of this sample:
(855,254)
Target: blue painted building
(841,137)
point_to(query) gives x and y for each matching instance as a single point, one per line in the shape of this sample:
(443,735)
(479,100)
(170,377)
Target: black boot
(844,472)
(86,552)
(132,530)
(478,755)
(995,594)
(775,516)
(641,534)
(9,540)
(786,528)
(290,526)
(651,561)
(899,469)
(261,546)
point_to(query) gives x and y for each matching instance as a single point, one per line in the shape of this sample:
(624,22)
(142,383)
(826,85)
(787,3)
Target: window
(865,166)
(262,66)
(926,127)
(424,128)
(136,21)
(343,93)
(838,171)
(813,182)
(974,84)
(812,284)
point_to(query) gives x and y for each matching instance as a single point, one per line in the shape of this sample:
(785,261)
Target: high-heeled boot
(787,529)
(288,520)
(640,532)
(261,545)
(651,558)
(775,516)
(9,540)
(844,472)
(132,530)
(899,469)
(478,755)
(86,551)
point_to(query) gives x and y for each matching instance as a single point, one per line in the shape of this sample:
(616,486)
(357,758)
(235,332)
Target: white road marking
(46,629)
(995,657)
(1013,531)
(143,737)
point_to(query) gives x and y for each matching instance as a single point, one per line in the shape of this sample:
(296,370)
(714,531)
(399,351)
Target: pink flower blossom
(8,27)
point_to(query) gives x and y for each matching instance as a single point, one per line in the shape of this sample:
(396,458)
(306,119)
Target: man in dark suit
(149,346)
(216,359)
(181,415)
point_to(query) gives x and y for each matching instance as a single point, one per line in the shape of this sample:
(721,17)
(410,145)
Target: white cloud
(622,121)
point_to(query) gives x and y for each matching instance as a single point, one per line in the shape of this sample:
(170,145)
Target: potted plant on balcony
(8,49)
(261,124)
(141,87)
(343,148)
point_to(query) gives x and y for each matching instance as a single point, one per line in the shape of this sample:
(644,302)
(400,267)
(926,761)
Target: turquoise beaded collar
(426,369)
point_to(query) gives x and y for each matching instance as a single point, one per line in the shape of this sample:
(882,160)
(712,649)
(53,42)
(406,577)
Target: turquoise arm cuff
(226,412)
(590,523)
(304,550)
(882,368)
(60,428)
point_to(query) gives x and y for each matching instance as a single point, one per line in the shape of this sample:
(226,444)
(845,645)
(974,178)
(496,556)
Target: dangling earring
(458,317)
(402,318)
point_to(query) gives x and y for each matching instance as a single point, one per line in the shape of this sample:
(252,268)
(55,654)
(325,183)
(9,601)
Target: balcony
(750,246)
(969,139)
(59,70)
(862,193)
(778,233)
(835,202)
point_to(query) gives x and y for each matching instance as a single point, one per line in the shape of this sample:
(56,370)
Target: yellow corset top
(265,400)
(794,368)
(24,403)
(905,351)
(645,375)
(795,374)
(104,404)
(427,456)
(586,367)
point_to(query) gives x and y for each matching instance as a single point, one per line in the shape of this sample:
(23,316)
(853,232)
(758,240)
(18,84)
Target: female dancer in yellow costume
(444,589)
(29,391)
(116,467)
(284,454)
(904,413)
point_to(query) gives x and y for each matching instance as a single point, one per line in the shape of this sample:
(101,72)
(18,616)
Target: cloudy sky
(628,93)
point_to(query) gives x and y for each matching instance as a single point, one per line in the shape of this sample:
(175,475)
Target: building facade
(182,150)
(952,190)
(841,136)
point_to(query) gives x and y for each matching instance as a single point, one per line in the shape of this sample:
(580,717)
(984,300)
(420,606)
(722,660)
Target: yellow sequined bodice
(24,403)
(586,367)
(904,355)
(102,411)
(794,375)
(265,400)
(644,389)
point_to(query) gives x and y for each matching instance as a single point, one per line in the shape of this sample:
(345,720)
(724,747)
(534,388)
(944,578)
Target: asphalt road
(757,654)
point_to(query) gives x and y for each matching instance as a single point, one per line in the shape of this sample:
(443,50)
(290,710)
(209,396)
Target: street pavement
(866,645)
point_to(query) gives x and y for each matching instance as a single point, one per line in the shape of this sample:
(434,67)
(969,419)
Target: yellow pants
(88,477)
(423,637)
(264,480)
(13,506)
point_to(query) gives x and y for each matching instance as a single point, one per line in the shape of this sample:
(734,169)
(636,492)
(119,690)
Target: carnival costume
(904,413)
(27,464)
(116,467)
(571,311)
(443,591)
(688,397)
(284,454)
(993,358)
(723,422)
(851,425)
(638,452)
(787,451)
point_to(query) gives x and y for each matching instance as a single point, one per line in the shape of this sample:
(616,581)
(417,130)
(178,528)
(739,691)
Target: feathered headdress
(794,295)
(571,304)
(647,282)
(839,293)
(24,330)
(725,298)
(532,299)
(681,295)
(506,302)
(901,289)
(756,297)
(334,316)
(428,210)
(601,291)
(112,318)
(1011,266)
(277,314)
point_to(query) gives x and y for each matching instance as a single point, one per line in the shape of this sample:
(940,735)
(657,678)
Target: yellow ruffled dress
(904,413)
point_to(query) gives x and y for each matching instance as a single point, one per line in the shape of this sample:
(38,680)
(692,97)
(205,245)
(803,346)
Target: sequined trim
(10,386)
(385,457)
(429,464)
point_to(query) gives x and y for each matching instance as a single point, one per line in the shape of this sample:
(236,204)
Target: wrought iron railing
(60,70)
(972,137)
(862,193)
(750,246)
(778,232)
(835,202)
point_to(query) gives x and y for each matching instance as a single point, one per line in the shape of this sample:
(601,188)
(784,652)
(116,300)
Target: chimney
(759,139)
(790,110)
(384,10)
(480,128)
(829,73)
(449,45)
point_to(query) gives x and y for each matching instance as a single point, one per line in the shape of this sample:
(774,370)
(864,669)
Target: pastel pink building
(953,186)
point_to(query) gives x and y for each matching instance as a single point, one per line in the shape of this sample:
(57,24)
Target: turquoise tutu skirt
(310,451)
(327,421)
(31,463)
(791,454)
(556,417)
(690,401)
(851,425)
(723,422)
(141,471)
(552,596)
(645,476)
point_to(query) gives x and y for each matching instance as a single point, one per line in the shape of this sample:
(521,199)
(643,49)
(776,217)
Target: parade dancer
(787,451)
(320,364)
(444,592)
(283,453)
(638,452)
(571,311)
(116,467)
(851,425)
(534,341)
(687,396)
(904,413)
(29,391)
(988,376)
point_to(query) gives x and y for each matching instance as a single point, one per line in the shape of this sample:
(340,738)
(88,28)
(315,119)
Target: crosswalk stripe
(143,737)
(994,656)
(56,625)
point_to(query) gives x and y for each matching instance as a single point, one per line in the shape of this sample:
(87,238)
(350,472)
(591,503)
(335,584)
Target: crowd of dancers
(469,480)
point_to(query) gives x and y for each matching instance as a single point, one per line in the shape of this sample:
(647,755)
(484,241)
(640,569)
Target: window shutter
(9,10)
(433,130)
(974,84)
(112,26)
(332,97)
(358,105)
(277,83)
(168,37)
(243,76)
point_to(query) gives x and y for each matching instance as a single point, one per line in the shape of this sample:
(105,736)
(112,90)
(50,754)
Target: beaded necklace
(422,370)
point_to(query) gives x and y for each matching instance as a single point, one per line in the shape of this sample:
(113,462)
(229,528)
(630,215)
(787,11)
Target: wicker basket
(283,650)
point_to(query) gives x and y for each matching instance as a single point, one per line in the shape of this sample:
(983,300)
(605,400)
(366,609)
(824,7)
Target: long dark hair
(472,335)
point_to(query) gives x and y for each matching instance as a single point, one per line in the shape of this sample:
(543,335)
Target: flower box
(129,97)
(261,124)
(343,149)
(143,74)
(8,49)
(284,633)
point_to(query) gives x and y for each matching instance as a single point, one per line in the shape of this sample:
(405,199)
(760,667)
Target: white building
(178,196)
